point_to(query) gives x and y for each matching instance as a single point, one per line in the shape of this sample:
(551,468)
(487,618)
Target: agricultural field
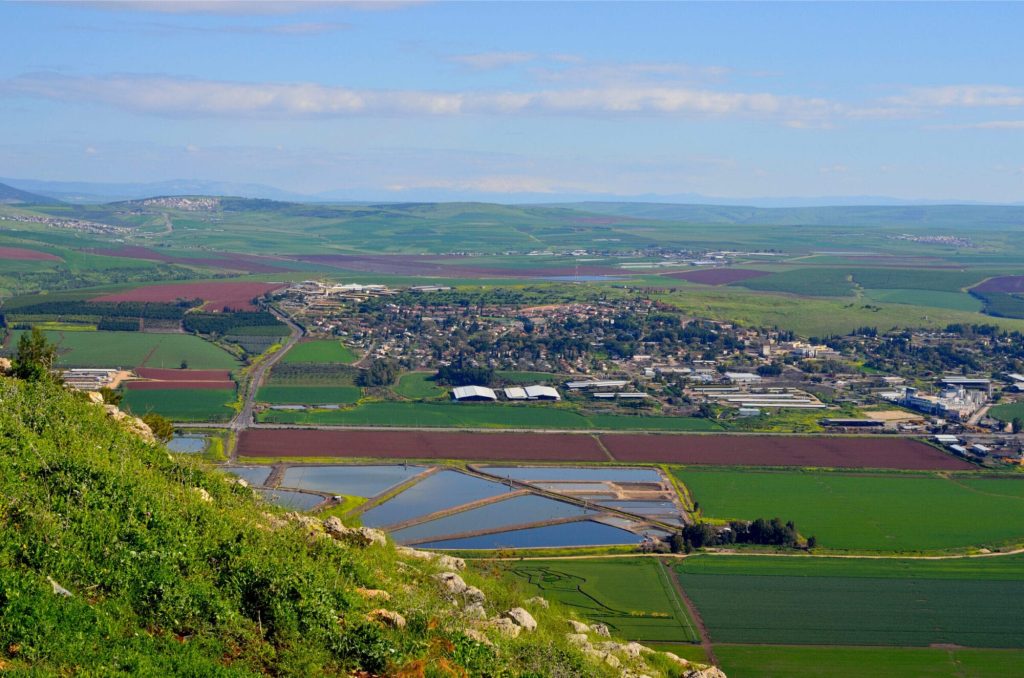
(766,661)
(135,349)
(419,445)
(816,601)
(634,597)
(956,301)
(418,386)
(863,512)
(218,296)
(1008,411)
(320,351)
(299,395)
(767,450)
(181,404)
(484,415)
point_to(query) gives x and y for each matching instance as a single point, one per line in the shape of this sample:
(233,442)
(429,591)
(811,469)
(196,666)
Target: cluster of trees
(118,324)
(460,373)
(223,323)
(761,531)
(381,372)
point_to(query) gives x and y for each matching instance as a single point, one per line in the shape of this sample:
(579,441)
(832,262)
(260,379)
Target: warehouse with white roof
(471,393)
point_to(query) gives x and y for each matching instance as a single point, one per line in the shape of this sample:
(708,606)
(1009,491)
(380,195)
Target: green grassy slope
(165,582)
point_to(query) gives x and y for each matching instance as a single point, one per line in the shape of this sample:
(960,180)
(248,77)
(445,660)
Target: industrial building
(473,393)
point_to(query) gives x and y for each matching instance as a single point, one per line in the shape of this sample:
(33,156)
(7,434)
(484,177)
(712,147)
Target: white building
(515,393)
(464,393)
(542,393)
(743,377)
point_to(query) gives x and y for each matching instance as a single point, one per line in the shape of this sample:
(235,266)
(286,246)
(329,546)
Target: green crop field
(1008,411)
(309,394)
(811,282)
(818,601)
(484,415)
(183,404)
(320,351)
(761,661)
(418,386)
(135,349)
(633,596)
(957,301)
(869,512)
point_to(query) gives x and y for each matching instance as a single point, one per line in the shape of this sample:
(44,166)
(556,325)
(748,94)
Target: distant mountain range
(82,192)
(9,195)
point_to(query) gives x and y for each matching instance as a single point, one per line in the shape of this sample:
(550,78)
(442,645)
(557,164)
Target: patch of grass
(892,513)
(418,386)
(818,601)
(182,404)
(957,301)
(135,349)
(744,661)
(1008,411)
(632,596)
(309,394)
(320,351)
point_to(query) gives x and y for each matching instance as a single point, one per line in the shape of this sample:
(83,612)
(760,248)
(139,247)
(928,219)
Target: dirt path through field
(705,638)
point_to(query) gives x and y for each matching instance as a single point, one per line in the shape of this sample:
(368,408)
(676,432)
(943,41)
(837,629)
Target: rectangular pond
(440,491)
(583,533)
(575,473)
(358,481)
(254,475)
(515,511)
(187,444)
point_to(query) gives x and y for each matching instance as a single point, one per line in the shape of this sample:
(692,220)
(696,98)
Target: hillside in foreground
(117,557)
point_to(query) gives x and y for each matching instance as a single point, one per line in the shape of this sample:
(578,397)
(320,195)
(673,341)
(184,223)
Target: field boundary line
(600,443)
(705,638)
(664,578)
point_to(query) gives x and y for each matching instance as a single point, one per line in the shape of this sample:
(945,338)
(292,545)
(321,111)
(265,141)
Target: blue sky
(521,101)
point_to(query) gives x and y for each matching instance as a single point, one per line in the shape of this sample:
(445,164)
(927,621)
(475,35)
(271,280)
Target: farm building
(967,383)
(743,377)
(542,393)
(473,393)
(853,423)
(580,385)
(86,379)
(515,393)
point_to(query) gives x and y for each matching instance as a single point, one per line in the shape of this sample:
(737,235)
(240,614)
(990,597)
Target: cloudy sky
(520,100)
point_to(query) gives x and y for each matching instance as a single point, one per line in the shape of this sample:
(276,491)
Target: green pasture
(320,351)
(135,349)
(766,661)
(864,512)
(956,301)
(184,404)
(418,386)
(902,603)
(816,316)
(1008,411)
(308,394)
(483,415)
(634,597)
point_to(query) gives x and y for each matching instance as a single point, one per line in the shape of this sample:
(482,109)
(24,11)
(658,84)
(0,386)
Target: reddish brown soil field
(717,276)
(1007,284)
(26,255)
(218,296)
(169,385)
(235,262)
(742,450)
(419,445)
(182,375)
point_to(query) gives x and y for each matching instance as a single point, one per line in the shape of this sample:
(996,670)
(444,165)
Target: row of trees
(762,531)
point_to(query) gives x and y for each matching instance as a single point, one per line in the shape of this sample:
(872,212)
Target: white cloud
(990,124)
(164,95)
(490,60)
(959,96)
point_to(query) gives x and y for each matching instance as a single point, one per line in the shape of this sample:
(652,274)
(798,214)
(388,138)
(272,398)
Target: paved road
(244,419)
